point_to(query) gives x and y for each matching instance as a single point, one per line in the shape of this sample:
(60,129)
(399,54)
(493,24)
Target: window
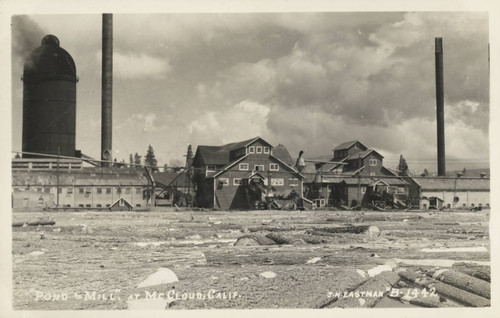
(98,205)
(266,149)
(224,181)
(127,190)
(401,190)
(274,167)
(59,190)
(87,205)
(138,205)
(80,190)
(108,190)
(88,190)
(244,166)
(138,190)
(251,149)
(80,205)
(373,162)
(118,190)
(236,181)
(99,190)
(293,182)
(258,168)
(363,190)
(46,190)
(69,191)
(108,205)
(259,149)
(277,181)
(211,168)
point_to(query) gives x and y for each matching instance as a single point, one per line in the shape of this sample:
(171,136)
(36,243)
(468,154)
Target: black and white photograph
(244,159)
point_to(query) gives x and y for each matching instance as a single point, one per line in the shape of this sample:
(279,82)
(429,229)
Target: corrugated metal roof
(457,184)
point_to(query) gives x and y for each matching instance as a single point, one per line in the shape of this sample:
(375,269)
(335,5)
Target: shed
(121,205)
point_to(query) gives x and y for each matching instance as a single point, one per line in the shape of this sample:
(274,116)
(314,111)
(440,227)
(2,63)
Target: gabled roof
(288,166)
(333,165)
(229,165)
(363,154)
(347,145)
(219,155)
(282,154)
(118,200)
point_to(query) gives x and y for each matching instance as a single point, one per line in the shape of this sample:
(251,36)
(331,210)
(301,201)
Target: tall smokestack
(440,107)
(107,90)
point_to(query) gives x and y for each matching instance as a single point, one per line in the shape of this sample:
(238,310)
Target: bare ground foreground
(106,260)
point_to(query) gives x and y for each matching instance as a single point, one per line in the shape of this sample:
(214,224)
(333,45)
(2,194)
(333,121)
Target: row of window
(272,167)
(258,149)
(88,191)
(90,205)
(274,181)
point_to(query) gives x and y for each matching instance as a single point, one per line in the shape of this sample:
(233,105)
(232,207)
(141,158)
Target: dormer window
(373,162)
(259,149)
(251,149)
(266,149)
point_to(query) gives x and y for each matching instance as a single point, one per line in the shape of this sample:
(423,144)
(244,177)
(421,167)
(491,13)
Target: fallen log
(462,281)
(282,239)
(253,240)
(481,272)
(34,223)
(369,230)
(448,291)
(273,229)
(367,294)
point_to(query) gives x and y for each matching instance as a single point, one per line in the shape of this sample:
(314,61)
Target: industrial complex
(249,174)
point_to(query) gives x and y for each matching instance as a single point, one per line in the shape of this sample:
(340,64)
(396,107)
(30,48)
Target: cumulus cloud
(306,80)
(242,121)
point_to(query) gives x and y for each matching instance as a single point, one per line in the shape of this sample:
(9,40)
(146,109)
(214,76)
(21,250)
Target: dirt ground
(96,260)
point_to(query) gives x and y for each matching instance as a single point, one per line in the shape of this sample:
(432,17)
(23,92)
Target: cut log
(368,293)
(462,281)
(253,240)
(369,230)
(282,239)
(34,223)
(273,229)
(481,272)
(448,291)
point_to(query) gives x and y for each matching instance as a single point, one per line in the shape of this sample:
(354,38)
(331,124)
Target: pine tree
(150,159)
(131,160)
(403,166)
(464,172)
(426,173)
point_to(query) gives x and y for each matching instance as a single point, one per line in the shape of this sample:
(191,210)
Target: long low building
(459,192)
(92,188)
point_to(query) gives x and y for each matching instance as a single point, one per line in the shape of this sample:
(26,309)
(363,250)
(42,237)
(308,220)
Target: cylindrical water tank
(49,100)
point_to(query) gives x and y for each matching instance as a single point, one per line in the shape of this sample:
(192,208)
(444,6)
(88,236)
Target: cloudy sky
(306,80)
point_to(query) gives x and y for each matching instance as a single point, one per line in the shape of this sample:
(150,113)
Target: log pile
(309,236)
(449,284)
(41,222)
